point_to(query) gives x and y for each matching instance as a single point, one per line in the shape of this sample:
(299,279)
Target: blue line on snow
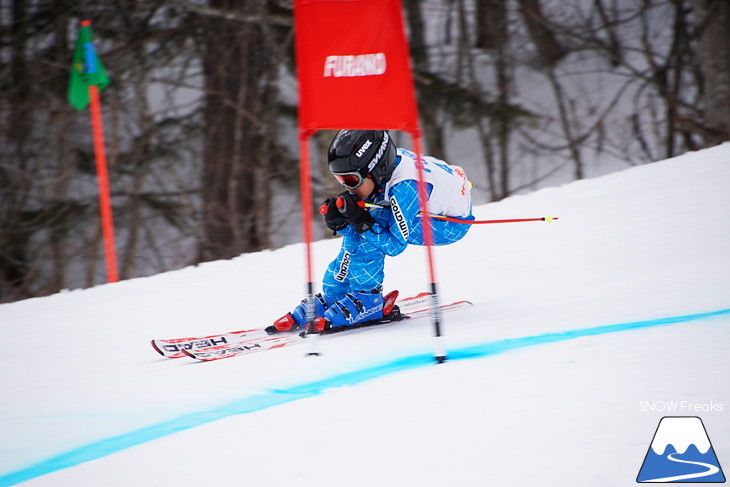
(276,397)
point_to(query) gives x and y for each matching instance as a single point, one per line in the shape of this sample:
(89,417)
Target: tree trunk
(549,49)
(492,34)
(712,18)
(14,180)
(239,89)
(427,107)
(491,23)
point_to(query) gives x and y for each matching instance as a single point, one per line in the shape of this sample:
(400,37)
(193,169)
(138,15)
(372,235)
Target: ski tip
(188,353)
(202,359)
(157,349)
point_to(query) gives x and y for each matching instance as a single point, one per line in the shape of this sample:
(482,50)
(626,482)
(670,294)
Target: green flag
(86,69)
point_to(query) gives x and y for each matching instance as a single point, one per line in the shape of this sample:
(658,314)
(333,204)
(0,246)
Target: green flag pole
(87,78)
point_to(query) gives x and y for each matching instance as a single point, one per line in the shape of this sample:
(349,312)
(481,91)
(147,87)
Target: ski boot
(298,318)
(359,309)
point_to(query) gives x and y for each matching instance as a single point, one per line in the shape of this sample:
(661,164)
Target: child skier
(378,215)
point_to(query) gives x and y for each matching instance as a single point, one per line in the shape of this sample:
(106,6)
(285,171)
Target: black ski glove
(353,209)
(332,216)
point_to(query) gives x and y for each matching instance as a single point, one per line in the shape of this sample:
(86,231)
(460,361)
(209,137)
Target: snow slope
(584,333)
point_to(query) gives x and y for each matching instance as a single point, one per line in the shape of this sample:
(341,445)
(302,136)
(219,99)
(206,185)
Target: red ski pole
(548,218)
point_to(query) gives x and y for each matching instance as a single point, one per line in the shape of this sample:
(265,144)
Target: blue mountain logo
(681,452)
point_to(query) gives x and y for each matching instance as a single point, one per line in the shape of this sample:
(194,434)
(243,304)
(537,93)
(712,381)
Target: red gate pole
(102,174)
(439,348)
(305,190)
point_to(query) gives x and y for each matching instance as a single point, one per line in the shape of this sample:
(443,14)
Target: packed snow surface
(584,333)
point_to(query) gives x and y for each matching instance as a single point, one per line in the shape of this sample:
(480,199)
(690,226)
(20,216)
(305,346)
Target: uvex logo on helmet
(364,147)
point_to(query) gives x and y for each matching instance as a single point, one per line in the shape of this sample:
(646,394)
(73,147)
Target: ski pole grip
(340,203)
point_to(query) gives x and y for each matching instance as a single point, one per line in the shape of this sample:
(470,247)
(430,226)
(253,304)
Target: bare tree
(49,230)
(541,31)
(492,33)
(425,83)
(240,86)
(712,24)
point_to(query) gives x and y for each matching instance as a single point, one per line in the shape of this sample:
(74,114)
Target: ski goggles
(349,180)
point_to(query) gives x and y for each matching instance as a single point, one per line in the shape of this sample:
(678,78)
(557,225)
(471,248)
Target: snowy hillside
(585,332)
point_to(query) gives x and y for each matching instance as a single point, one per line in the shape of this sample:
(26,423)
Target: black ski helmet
(364,151)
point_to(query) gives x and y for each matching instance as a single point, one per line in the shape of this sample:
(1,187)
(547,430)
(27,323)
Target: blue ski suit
(360,264)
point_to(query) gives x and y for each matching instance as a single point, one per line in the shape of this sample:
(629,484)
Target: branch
(280,20)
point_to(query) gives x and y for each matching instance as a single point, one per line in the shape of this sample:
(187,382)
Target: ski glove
(353,209)
(332,216)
